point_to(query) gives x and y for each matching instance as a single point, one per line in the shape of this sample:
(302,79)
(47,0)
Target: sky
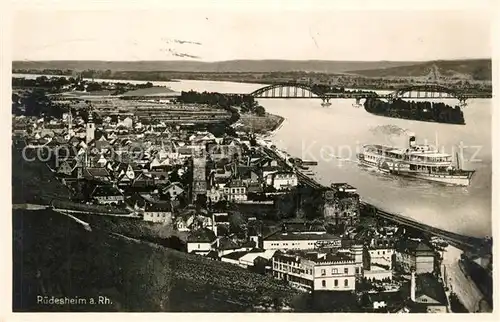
(217,34)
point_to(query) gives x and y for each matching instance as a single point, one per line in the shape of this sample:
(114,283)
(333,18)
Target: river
(332,136)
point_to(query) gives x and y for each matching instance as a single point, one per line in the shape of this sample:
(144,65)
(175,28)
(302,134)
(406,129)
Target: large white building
(282,180)
(301,236)
(320,270)
(201,241)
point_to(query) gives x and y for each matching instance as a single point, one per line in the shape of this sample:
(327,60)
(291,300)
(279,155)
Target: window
(198,246)
(323,272)
(335,283)
(357,270)
(346,283)
(323,283)
(383,252)
(346,270)
(335,271)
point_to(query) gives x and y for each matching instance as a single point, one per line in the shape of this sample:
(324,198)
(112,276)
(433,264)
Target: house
(181,224)
(341,206)
(267,170)
(173,190)
(319,270)
(282,180)
(428,293)
(102,161)
(201,241)
(227,245)
(125,173)
(247,174)
(137,202)
(220,152)
(159,213)
(248,260)
(67,168)
(126,122)
(214,195)
(301,236)
(235,191)
(380,255)
(414,255)
(220,220)
(107,195)
(98,174)
(383,302)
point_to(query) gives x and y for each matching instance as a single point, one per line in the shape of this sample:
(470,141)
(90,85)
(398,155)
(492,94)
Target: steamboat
(417,161)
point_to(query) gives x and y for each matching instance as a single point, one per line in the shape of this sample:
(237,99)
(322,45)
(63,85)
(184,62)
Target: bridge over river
(304,91)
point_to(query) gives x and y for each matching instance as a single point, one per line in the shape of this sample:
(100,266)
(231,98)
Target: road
(467,291)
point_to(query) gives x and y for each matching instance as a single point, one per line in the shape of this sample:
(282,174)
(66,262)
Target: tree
(260,111)
(236,221)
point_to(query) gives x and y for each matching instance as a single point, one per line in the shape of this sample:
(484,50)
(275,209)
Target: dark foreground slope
(32,181)
(54,256)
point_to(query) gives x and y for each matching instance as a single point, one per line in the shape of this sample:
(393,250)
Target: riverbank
(354,81)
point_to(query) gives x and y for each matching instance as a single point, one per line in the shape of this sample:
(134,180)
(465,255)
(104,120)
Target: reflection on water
(333,135)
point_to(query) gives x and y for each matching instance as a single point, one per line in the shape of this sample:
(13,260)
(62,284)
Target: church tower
(90,128)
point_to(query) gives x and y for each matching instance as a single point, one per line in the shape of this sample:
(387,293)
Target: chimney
(412,286)
(412,141)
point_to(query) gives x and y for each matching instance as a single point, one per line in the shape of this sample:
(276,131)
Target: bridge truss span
(426,91)
(286,90)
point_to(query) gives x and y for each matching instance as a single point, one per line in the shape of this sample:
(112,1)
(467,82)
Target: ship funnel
(412,140)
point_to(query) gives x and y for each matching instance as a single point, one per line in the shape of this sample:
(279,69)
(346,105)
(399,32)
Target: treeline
(59,84)
(36,103)
(419,111)
(246,103)
(321,88)
(56,72)
(52,83)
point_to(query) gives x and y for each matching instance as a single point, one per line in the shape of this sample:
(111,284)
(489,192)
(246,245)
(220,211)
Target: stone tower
(199,175)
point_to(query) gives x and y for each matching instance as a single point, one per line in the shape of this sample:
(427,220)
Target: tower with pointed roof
(90,126)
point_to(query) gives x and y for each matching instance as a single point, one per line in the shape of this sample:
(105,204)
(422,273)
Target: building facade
(199,176)
(319,271)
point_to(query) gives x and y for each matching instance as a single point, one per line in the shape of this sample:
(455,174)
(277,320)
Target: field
(132,227)
(260,124)
(156,90)
(54,256)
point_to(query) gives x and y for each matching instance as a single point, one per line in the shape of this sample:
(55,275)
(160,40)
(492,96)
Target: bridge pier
(358,102)
(326,101)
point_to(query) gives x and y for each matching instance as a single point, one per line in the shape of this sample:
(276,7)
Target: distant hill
(476,69)
(256,66)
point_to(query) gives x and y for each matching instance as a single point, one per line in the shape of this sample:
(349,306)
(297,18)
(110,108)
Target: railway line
(454,239)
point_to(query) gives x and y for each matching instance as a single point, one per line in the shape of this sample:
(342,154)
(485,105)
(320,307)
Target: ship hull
(462,179)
